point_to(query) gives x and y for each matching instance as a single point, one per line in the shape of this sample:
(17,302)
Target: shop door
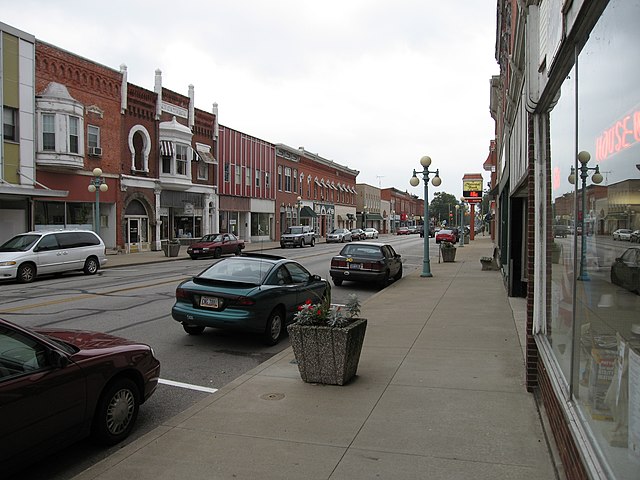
(133,237)
(137,235)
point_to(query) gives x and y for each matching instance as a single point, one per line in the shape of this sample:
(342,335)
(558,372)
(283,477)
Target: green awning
(307,212)
(374,216)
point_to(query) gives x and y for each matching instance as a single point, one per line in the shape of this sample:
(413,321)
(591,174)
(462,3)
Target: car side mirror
(58,360)
(314,278)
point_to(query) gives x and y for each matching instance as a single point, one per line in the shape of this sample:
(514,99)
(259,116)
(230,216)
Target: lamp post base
(426,269)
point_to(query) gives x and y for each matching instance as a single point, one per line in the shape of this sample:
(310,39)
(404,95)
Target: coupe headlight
(9,263)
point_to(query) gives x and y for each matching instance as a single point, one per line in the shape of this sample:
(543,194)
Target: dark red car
(445,236)
(402,231)
(59,386)
(216,244)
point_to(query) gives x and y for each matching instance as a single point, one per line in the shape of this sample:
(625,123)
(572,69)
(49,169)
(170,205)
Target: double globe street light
(414,181)
(583,158)
(97,185)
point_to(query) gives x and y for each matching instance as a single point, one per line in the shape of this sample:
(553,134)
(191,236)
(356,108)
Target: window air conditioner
(95,151)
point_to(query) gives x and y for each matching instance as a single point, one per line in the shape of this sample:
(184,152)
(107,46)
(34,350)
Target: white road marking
(187,385)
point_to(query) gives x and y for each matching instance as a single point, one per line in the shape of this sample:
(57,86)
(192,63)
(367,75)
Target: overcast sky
(372,85)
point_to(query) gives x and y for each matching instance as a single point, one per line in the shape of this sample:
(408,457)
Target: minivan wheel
(313,242)
(26,273)
(91,266)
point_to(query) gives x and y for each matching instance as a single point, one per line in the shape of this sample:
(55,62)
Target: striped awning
(166,148)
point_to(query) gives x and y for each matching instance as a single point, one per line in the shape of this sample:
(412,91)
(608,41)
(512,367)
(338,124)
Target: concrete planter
(448,254)
(327,355)
(171,249)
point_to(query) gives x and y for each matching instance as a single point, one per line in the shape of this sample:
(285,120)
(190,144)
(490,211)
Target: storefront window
(260,225)
(599,289)
(560,328)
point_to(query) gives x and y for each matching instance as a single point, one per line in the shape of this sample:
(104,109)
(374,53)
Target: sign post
(472,194)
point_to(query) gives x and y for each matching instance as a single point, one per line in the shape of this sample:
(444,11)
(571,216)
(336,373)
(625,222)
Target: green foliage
(441,205)
(324,313)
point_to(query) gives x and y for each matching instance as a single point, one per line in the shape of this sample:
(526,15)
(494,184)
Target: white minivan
(30,254)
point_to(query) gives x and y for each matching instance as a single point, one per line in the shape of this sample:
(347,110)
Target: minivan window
(47,243)
(19,243)
(76,239)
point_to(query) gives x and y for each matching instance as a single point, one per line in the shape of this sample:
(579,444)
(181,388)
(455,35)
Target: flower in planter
(324,313)
(447,245)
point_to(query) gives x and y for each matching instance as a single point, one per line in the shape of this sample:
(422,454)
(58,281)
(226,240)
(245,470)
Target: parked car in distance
(28,255)
(358,234)
(371,233)
(252,292)
(625,270)
(60,386)
(622,234)
(298,236)
(215,245)
(561,231)
(366,262)
(340,235)
(412,229)
(445,235)
(635,236)
(402,231)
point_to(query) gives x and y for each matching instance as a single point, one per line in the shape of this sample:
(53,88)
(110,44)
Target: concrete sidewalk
(439,394)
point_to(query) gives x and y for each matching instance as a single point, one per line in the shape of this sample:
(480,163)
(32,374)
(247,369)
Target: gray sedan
(339,235)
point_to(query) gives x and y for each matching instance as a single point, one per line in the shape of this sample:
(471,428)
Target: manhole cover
(272,396)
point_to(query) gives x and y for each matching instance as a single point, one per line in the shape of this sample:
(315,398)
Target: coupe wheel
(116,412)
(91,266)
(385,280)
(217,253)
(238,251)
(273,330)
(193,329)
(26,273)
(398,275)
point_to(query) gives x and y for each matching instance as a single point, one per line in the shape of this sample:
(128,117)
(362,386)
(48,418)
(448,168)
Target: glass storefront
(261,225)
(594,327)
(63,215)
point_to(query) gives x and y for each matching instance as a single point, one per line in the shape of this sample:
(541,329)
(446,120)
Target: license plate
(355,266)
(209,302)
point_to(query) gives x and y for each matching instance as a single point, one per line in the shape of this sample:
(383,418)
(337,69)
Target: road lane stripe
(188,386)
(85,296)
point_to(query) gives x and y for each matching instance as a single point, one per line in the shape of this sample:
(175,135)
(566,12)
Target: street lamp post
(583,158)
(97,185)
(462,209)
(414,181)
(299,205)
(364,217)
(393,219)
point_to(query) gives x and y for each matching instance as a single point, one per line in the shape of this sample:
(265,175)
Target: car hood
(6,256)
(87,340)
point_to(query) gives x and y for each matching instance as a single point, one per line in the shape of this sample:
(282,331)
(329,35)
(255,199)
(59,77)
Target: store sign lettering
(621,135)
